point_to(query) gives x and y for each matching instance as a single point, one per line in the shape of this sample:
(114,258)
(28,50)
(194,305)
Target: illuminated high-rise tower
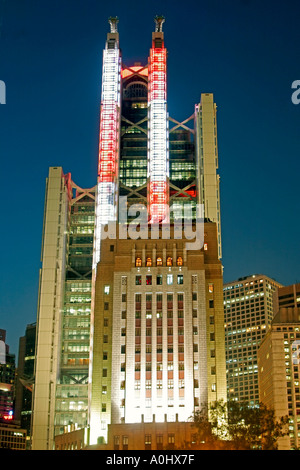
(130,321)
(158,347)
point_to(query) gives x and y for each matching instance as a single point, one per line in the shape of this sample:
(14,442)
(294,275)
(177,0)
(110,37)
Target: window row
(121,442)
(159,280)
(159,261)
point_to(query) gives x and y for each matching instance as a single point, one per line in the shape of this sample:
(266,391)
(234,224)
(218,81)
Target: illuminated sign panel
(108,142)
(158,169)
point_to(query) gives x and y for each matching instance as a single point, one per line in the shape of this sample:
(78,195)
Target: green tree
(237,426)
(255,427)
(210,424)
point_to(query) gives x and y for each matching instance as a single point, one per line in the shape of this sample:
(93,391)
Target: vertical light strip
(106,206)
(158,161)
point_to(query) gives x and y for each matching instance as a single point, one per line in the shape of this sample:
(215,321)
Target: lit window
(148,442)
(169,261)
(149,262)
(137,385)
(169,279)
(159,262)
(138,262)
(148,280)
(179,261)
(180,279)
(138,280)
(106,290)
(210,288)
(205,246)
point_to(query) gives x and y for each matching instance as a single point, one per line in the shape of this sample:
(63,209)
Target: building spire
(159,20)
(113,21)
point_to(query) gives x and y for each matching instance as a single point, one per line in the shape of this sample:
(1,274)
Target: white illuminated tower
(107,185)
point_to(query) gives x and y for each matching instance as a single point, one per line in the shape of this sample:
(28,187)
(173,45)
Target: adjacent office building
(25,378)
(248,313)
(130,326)
(60,391)
(287,296)
(7,381)
(279,372)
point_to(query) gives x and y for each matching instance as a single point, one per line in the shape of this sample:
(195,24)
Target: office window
(159,441)
(149,280)
(159,279)
(169,279)
(180,279)
(138,280)
(147,441)
(179,261)
(137,385)
(171,441)
(149,262)
(116,442)
(169,261)
(125,442)
(159,261)
(138,262)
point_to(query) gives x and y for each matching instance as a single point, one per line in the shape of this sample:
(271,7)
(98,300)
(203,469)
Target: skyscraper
(24,378)
(278,372)
(7,381)
(60,391)
(142,313)
(248,313)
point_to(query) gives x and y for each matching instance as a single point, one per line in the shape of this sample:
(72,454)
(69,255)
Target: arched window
(169,261)
(159,261)
(149,262)
(179,261)
(138,262)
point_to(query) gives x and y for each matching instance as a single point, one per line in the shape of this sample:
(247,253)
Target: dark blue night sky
(245,52)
